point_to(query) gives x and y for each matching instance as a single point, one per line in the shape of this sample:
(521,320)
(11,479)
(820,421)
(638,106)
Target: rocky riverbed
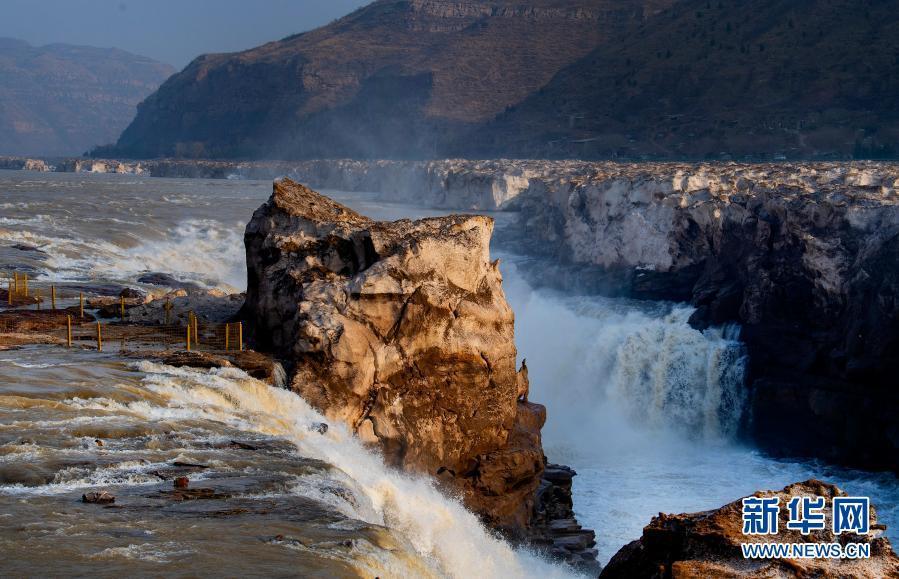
(802,255)
(401,330)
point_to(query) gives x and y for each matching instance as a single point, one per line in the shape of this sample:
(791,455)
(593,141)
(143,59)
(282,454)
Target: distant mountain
(682,79)
(63,100)
(719,79)
(397,78)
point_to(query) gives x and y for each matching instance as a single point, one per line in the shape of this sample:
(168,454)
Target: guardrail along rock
(402,331)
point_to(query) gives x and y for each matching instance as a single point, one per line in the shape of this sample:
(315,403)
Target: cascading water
(638,363)
(646,409)
(68,427)
(642,405)
(448,538)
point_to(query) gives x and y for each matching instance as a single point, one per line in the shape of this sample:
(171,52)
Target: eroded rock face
(803,256)
(402,331)
(707,544)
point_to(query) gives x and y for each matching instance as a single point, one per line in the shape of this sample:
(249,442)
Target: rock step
(564,526)
(577,542)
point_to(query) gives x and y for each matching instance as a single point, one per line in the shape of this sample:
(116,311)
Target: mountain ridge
(591,79)
(62,99)
(394,78)
(724,80)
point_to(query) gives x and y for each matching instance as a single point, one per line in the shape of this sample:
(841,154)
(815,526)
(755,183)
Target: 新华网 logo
(806,514)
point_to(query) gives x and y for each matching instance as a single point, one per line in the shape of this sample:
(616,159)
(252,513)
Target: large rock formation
(400,330)
(63,100)
(707,544)
(394,79)
(598,79)
(803,256)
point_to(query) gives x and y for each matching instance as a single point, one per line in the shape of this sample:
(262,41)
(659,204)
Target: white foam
(444,535)
(200,250)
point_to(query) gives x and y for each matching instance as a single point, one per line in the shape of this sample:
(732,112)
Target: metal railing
(33,315)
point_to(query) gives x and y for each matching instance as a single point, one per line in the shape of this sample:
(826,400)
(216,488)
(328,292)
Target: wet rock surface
(167,280)
(210,305)
(98,498)
(803,256)
(402,331)
(258,365)
(555,528)
(707,544)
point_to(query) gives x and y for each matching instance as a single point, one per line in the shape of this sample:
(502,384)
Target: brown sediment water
(73,425)
(268,493)
(639,403)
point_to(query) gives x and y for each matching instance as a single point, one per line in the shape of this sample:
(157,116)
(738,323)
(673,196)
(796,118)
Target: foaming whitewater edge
(440,530)
(193,245)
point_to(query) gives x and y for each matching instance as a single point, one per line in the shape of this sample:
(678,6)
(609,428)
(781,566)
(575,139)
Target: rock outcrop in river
(707,544)
(402,331)
(802,255)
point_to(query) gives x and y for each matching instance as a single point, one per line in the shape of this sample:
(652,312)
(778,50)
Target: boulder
(209,305)
(98,498)
(400,330)
(707,544)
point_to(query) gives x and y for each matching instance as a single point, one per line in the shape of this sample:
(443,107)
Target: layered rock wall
(804,256)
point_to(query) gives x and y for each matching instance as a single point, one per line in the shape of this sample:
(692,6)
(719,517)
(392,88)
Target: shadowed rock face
(707,544)
(402,331)
(393,79)
(803,256)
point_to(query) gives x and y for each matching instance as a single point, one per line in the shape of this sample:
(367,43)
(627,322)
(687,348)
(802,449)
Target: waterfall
(626,368)
(666,374)
(445,538)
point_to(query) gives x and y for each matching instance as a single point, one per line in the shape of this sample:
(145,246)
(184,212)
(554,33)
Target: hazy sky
(172,31)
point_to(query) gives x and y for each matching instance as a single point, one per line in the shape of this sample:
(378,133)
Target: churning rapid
(643,406)
(320,502)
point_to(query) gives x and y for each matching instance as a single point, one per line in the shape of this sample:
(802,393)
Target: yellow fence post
(53,296)
(69,331)
(196,330)
(188,336)
(25,283)
(240,335)
(99,338)
(227,335)
(122,305)
(81,302)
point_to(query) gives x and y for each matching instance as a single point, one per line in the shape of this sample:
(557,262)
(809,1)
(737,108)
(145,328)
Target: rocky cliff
(803,256)
(64,100)
(596,79)
(394,79)
(708,545)
(401,331)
